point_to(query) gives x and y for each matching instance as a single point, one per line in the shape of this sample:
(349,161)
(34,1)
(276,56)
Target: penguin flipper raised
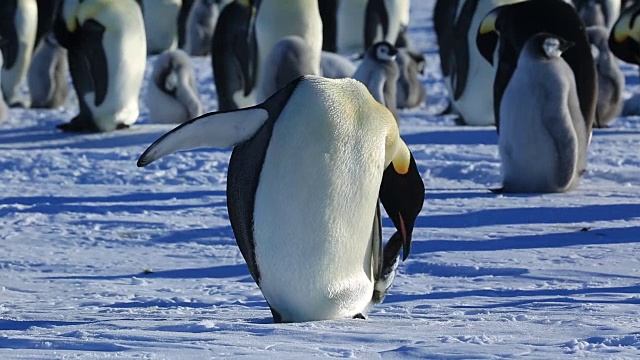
(215,129)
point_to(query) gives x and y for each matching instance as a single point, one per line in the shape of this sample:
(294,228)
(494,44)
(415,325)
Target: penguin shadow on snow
(602,236)
(454,136)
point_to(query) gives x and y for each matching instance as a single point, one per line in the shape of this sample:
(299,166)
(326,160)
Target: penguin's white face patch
(384,53)
(551,47)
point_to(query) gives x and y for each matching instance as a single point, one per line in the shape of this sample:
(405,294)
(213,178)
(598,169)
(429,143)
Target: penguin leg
(359,316)
(277,319)
(497,190)
(80,123)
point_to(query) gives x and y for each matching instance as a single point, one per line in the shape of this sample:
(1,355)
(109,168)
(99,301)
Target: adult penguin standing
(320,153)
(107,58)
(508,27)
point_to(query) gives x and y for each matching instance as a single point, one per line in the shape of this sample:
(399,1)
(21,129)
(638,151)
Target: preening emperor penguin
(233,55)
(610,78)
(410,91)
(201,23)
(161,24)
(18,31)
(379,72)
(468,77)
(47,76)
(106,46)
(543,137)
(172,94)
(504,31)
(385,20)
(276,19)
(318,153)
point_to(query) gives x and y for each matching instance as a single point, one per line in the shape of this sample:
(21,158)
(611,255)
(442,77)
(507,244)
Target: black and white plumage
(610,78)
(106,46)
(233,55)
(503,32)
(598,12)
(4,109)
(624,42)
(543,137)
(18,32)
(172,94)
(379,72)
(47,75)
(308,168)
(386,20)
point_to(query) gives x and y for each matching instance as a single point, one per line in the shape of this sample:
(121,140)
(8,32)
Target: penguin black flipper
(444,17)
(376,243)
(233,54)
(249,130)
(91,36)
(461,47)
(328,14)
(47,10)
(375,14)
(9,44)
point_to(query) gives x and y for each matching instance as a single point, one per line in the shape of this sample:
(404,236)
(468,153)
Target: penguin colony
(308,98)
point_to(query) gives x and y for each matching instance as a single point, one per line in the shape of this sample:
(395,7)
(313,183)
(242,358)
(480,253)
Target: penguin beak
(402,195)
(488,35)
(624,38)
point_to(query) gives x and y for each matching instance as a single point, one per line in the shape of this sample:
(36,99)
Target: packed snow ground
(99,258)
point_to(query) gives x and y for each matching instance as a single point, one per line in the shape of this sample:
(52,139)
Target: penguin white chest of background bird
(315,205)
(539,124)
(279,18)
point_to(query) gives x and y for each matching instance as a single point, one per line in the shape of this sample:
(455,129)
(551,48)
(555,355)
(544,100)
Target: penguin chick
(47,75)
(610,78)
(379,72)
(172,95)
(410,91)
(543,138)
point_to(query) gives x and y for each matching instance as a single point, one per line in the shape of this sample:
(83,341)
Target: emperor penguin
(161,24)
(289,59)
(467,76)
(320,153)
(106,46)
(18,31)
(543,136)
(233,55)
(201,24)
(350,26)
(503,32)
(47,75)
(172,94)
(385,20)
(610,78)
(379,72)
(276,19)
(410,91)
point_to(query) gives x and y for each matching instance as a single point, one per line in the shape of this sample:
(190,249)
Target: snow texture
(101,259)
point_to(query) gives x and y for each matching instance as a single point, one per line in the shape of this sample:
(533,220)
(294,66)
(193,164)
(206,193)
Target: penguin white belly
(314,209)
(538,143)
(350,26)
(398,15)
(126,62)
(161,25)
(275,22)
(26,23)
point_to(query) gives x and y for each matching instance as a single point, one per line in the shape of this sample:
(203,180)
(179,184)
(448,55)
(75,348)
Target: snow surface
(99,258)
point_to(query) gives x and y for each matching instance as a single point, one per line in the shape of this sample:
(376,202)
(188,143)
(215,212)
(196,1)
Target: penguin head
(383,52)
(624,40)
(552,46)
(402,191)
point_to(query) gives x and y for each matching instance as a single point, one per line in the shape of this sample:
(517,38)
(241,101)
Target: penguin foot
(498,190)
(359,316)
(79,125)
(19,104)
